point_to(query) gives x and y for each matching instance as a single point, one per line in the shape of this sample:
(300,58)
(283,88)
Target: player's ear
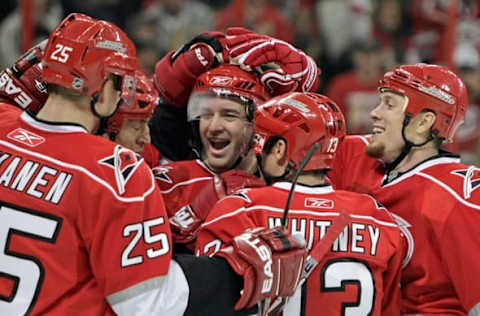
(107,98)
(280,151)
(425,122)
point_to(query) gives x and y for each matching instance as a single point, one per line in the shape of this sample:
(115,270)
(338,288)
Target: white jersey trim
(86,172)
(304,189)
(163,295)
(185,183)
(423,166)
(204,166)
(363,138)
(450,190)
(281,211)
(56,128)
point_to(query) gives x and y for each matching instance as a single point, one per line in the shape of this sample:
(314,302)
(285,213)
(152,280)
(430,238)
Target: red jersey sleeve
(227,219)
(127,235)
(460,250)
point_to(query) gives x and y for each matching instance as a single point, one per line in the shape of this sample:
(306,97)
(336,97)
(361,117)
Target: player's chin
(375,149)
(220,163)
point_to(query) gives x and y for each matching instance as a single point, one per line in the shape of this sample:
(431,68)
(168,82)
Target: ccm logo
(318,203)
(265,255)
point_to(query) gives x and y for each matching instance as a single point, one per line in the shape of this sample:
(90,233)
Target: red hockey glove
(271,262)
(176,73)
(283,68)
(21,84)
(186,222)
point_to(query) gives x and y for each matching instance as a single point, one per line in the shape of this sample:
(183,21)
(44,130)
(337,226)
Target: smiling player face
(224,132)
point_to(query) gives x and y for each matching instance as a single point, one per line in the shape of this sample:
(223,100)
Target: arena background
(353,41)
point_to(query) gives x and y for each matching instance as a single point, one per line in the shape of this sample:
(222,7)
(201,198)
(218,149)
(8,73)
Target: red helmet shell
(81,52)
(434,88)
(141,107)
(230,80)
(302,119)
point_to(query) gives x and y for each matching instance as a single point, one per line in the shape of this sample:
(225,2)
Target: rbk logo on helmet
(220,80)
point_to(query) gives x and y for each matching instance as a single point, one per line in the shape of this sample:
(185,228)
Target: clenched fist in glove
(176,73)
(283,68)
(186,222)
(21,84)
(271,262)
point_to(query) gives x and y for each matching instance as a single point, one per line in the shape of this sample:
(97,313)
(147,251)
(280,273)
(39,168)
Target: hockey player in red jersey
(83,228)
(129,126)
(361,273)
(220,110)
(430,191)
(22,85)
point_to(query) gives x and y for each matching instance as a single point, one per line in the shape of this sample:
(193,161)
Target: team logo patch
(471,180)
(243,194)
(124,162)
(161,173)
(318,203)
(25,137)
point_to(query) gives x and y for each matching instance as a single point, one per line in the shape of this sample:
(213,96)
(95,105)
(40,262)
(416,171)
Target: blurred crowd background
(353,41)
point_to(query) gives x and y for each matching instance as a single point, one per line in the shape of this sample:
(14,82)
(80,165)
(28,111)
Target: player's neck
(311,179)
(60,109)
(416,156)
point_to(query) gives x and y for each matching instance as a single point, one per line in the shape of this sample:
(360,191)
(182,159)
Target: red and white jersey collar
(437,160)
(55,127)
(323,189)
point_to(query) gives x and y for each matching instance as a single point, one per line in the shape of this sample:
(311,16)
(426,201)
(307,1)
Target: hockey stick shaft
(321,248)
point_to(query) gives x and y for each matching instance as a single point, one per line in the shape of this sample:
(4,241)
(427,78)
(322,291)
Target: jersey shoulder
(460,181)
(170,175)
(359,204)
(126,171)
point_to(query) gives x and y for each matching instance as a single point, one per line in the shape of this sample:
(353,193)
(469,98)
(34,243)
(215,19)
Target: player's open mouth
(377,130)
(217,144)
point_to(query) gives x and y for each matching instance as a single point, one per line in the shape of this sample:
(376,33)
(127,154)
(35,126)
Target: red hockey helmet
(430,87)
(302,119)
(81,52)
(231,82)
(140,107)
